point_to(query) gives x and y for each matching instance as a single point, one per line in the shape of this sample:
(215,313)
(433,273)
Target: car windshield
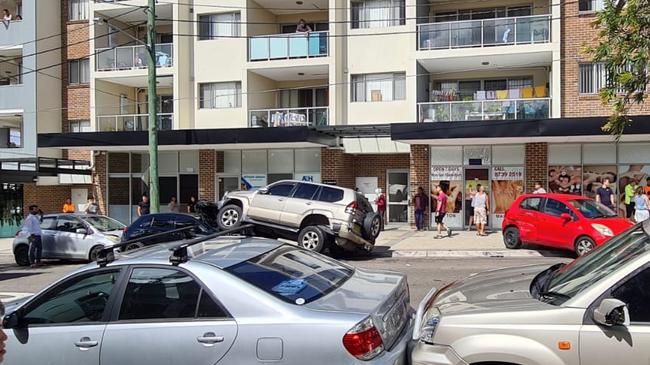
(592,209)
(104,224)
(292,274)
(583,272)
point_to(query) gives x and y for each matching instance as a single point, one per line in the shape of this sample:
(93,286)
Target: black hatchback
(150,224)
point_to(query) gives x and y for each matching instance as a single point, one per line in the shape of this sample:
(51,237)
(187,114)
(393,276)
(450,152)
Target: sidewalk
(407,242)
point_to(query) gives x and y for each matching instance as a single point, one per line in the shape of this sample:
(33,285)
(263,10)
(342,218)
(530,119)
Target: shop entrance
(474,178)
(226,183)
(398,195)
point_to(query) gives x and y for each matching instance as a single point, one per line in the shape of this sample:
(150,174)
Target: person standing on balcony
(6,18)
(303,27)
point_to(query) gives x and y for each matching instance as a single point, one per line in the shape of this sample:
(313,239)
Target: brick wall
(337,166)
(49,198)
(100,181)
(536,165)
(207,171)
(419,175)
(578,32)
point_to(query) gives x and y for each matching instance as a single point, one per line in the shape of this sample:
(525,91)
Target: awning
(374,145)
(185,139)
(517,131)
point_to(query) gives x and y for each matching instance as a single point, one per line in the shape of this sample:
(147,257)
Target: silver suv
(592,311)
(317,216)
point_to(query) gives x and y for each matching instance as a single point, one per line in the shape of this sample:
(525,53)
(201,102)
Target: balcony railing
(291,117)
(289,45)
(132,57)
(133,122)
(448,111)
(485,33)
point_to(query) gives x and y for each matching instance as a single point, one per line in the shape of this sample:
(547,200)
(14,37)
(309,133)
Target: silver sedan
(230,301)
(71,236)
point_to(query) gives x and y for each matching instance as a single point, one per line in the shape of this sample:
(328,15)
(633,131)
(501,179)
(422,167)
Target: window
(556,208)
(283,189)
(591,5)
(48,223)
(78,71)
(68,224)
(330,195)
(305,191)
(214,26)
(591,78)
(164,222)
(636,294)
(379,87)
(78,10)
(220,95)
(378,13)
(531,204)
(165,294)
(77,126)
(76,300)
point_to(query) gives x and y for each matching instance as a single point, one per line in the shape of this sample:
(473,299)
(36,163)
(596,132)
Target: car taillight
(351,207)
(18,232)
(364,341)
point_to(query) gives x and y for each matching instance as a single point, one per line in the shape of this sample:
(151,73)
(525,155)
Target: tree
(624,49)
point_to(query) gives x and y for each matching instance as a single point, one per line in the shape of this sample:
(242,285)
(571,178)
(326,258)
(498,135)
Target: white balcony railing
(133,122)
(289,117)
(132,57)
(448,111)
(288,45)
(485,33)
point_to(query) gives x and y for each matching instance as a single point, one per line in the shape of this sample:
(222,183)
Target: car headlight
(604,230)
(430,322)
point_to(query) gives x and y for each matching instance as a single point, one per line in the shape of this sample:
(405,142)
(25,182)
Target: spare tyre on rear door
(371,226)
(229,216)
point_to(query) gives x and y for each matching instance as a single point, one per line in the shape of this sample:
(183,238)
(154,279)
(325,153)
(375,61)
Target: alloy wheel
(229,218)
(310,241)
(583,246)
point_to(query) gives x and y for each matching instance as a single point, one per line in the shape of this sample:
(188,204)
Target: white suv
(317,216)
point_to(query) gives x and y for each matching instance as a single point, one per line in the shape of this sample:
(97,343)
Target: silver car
(229,301)
(71,236)
(592,311)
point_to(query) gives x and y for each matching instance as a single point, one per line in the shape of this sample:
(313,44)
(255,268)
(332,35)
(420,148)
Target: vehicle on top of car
(560,221)
(206,301)
(317,216)
(70,237)
(144,227)
(592,311)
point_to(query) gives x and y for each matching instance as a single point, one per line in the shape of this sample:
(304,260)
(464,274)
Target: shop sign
(308,177)
(507,173)
(446,173)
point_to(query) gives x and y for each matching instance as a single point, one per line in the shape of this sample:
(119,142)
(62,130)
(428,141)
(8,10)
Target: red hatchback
(561,221)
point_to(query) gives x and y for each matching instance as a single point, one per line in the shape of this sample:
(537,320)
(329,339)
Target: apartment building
(390,94)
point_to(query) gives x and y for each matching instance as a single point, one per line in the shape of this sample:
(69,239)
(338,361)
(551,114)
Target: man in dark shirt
(605,195)
(420,202)
(144,206)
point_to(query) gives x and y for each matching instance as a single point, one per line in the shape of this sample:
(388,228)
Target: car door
(553,229)
(600,345)
(67,242)
(268,206)
(65,324)
(299,204)
(48,231)
(166,317)
(527,216)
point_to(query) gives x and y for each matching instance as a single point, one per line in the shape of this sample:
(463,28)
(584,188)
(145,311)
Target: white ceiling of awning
(374,145)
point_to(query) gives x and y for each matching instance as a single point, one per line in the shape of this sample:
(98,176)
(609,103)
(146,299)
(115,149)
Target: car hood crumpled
(496,290)
(247,194)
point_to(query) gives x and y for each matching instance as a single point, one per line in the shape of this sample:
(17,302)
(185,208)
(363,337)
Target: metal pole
(154,199)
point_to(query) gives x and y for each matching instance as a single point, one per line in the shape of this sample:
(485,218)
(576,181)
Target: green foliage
(624,47)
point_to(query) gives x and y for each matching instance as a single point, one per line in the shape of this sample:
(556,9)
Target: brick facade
(49,198)
(207,171)
(420,173)
(536,165)
(100,181)
(337,166)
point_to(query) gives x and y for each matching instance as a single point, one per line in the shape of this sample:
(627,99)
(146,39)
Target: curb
(474,253)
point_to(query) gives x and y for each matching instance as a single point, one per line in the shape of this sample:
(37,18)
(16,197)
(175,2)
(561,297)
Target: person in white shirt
(32,226)
(538,188)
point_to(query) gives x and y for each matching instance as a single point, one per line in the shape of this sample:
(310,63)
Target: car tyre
(371,226)
(512,238)
(583,245)
(229,217)
(133,246)
(312,238)
(21,255)
(94,252)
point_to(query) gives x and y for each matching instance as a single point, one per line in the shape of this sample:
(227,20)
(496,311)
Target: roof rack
(107,255)
(179,252)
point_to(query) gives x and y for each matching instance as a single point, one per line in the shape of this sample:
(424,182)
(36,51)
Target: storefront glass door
(226,184)
(398,195)
(474,178)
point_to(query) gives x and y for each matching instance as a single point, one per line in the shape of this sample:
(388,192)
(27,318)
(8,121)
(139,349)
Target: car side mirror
(612,312)
(263,191)
(566,216)
(12,320)
(82,231)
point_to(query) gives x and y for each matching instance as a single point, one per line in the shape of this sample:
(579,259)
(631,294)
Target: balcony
(288,45)
(448,111)
(485,33)
(132,122)
(132,57)
(289,117)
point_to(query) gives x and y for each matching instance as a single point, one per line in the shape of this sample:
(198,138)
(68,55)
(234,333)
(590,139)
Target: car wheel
(372,226)
(511,238)
(21,255)
(229,217)
(311,238)
(583,245)
(94,252)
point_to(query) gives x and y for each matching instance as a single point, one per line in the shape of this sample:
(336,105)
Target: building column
(337,166)
(419,176)
(536,165)
(100,180)
(207,175)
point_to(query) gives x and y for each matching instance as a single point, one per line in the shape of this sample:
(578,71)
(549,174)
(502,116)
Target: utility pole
(154,197)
